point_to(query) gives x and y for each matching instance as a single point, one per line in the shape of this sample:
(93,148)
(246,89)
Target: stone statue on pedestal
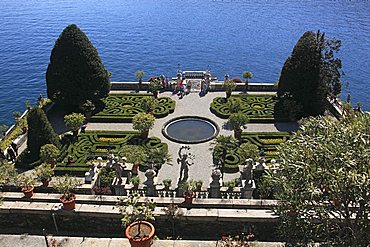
(118,168)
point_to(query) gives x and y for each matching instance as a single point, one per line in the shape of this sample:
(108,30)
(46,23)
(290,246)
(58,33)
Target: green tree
(74,121)
(249,151)
(312,72)
(143,122)
(247,75)
(220,147)
(49,153)
(139,74)
(75,72)
(40,132)
(324,186)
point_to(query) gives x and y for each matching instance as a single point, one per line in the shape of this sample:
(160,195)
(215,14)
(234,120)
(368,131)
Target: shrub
(75,72)
(248,151)
(238,120)
(49,153)
(143,122)
(74,121)
(44,171)
(40,132)
(229,85)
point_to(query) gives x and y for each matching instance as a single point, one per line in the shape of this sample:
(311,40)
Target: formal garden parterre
(123,107)
(259,108)
(267,144)
(93,144)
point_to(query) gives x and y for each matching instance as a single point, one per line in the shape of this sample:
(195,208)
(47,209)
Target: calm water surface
(156,35)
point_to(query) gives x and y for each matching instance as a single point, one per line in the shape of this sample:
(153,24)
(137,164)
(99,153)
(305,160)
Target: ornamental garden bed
(123,107)
(259,108)
(93,144)
(267,142)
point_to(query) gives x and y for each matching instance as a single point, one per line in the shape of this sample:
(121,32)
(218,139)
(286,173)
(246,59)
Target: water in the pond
(228,36)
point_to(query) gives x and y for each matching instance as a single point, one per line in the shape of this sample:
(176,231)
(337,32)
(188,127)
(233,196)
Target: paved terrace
(193,105)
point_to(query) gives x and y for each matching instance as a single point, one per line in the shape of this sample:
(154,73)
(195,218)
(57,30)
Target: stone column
(215,185)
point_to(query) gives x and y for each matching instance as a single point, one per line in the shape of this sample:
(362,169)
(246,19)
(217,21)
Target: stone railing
(214,86)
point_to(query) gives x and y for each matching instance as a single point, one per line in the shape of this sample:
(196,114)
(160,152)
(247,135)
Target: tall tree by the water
(312,72)
(76,72)
(40,132)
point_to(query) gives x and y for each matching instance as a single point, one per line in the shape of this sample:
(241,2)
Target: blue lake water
(229,36)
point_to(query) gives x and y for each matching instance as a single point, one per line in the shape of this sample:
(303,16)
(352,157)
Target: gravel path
(192,105)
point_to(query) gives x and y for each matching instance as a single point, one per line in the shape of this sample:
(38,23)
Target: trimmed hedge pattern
(93,144)
(123,107)
(268,142)
(259,108)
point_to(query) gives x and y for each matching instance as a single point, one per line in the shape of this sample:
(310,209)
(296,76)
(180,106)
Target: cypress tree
(40,132)
(75,72)
(311,73)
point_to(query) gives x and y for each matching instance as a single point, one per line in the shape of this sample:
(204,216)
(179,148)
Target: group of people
(11,153)
(184,88)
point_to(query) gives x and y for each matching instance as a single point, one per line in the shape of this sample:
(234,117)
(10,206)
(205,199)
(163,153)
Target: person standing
(11,154)
(15,148)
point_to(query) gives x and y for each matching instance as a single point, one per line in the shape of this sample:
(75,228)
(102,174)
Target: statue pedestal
(247,189)
(119,187)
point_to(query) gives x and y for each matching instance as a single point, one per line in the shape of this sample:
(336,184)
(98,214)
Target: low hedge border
(93,144)
(123,107)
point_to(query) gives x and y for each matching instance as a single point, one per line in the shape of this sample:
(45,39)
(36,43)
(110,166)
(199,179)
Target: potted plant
(3,128)
(65,185)
(17,115)
(198,185)
(234,105)
(135,216)
(167,183)
(247,75)
(154,87)
(230,184)
(134,154)
(27,183)
(74,121)
(44,172)
(143,122)
(188,188)
(28,105)
(88,107)
(229,86)
(135,180)
(156,157)
(139,74)
(236,122)
(148,104)
(49,153)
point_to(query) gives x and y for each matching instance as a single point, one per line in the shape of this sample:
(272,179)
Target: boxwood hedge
(123,107)
(93,144)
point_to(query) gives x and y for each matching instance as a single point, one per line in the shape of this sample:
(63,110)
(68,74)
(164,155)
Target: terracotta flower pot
(28,191)
(145,134)
(68,204)
(189,196)
(45,182)
(146,234)
(155,94)
(238,134)
(88,115)
(228,94)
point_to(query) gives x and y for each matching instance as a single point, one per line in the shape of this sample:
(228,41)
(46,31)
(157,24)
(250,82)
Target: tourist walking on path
(15,148)
(11,154)
(2,156)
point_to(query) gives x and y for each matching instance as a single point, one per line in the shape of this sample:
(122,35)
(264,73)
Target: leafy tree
(249,151)
(247,75)
(143,122)
(312,72)
(324,186)
(220,147)
(148,104)
(49,153)
(40,132)
(74,121)
(75,72)
(139,74)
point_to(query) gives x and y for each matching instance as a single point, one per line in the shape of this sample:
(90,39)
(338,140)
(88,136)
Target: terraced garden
(259,108)
(123,107)
(266,142)
(93,144)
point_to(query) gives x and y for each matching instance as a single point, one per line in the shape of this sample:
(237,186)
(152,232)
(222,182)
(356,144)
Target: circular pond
(190,129)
